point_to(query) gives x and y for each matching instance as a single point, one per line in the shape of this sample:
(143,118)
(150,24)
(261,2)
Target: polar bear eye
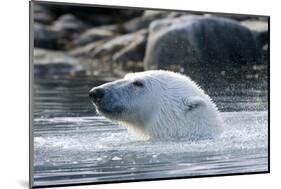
(138,83)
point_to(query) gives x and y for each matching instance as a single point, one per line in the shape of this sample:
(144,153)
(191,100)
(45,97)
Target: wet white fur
(171,106)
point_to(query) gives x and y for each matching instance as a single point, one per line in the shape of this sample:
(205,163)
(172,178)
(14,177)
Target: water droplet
(115,158)
(155,155)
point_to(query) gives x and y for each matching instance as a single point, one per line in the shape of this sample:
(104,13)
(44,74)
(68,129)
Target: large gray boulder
(196,42)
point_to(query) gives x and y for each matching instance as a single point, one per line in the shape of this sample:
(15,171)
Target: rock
(104,53)
(86,50)
(147,17)
(256,25)
(112,28)
(44,38)
(237,17)
(92,35)
(134,52)
(264,54)
(68,24)
(55,63)
(42,14)
(259,29)
(190,42)
(67,27)
(95,16)
(112,46)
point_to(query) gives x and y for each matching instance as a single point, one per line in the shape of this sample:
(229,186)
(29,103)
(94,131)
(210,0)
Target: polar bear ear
(192,103)
(128,75)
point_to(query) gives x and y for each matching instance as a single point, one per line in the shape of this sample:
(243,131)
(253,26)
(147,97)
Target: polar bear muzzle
(106,101)
(96,94)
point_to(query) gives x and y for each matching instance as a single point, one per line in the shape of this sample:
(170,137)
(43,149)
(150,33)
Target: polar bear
(158,104)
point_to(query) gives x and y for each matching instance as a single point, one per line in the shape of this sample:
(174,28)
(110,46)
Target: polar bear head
(158,105)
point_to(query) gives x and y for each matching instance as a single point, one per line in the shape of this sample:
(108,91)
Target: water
(74,145)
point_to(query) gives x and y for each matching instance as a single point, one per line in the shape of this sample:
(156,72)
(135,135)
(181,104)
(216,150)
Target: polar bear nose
(96,94)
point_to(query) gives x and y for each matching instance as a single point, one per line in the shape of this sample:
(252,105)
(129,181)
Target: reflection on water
(72,144)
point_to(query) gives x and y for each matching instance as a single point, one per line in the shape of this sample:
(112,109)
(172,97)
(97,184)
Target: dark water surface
(72,144)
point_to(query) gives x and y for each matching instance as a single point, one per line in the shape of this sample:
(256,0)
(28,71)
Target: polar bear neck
(172,121)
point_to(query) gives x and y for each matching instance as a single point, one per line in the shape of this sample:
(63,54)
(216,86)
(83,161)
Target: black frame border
(31,78)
